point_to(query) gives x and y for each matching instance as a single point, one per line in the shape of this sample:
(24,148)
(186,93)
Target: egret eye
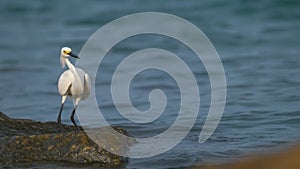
(66,52)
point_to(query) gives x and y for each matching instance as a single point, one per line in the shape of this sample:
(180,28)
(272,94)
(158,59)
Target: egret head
(65,53)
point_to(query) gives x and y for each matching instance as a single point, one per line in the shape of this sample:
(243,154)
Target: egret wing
(85,79)
(87,86)
(64,82)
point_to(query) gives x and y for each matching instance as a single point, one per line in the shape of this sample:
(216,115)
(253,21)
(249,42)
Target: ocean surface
(257,41)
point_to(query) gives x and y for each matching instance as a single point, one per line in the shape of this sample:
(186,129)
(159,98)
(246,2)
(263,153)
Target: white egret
(74,83)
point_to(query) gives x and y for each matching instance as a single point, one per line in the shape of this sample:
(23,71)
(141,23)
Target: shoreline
(284,159)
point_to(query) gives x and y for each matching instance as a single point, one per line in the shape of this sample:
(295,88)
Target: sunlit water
(258,43)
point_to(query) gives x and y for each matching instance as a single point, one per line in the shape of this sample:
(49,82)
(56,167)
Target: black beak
(74,55)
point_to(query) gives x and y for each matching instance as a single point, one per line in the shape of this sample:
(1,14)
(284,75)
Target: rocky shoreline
(24,142)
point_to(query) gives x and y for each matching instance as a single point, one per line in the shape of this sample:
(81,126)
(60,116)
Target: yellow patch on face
(67,52)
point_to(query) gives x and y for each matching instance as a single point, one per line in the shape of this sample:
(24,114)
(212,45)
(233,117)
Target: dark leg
(59,115)
(72,118)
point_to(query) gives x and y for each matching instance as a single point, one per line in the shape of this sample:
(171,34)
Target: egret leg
(72,118)
(59,115)
(76,102)
(60,110)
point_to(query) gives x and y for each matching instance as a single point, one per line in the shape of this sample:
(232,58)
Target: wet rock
(26,141)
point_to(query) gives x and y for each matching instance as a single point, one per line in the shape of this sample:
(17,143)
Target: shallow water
(258,43)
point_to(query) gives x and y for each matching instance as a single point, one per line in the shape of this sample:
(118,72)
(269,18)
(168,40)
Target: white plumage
(74,83)
(65,84)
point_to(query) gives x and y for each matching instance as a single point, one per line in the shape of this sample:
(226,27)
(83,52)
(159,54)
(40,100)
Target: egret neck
(77,82)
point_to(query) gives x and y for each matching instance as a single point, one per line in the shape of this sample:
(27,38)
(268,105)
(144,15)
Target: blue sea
(257,41)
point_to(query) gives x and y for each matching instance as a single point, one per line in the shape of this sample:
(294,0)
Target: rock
(25,141)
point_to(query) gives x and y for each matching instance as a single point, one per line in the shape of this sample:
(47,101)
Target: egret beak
(74,55)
